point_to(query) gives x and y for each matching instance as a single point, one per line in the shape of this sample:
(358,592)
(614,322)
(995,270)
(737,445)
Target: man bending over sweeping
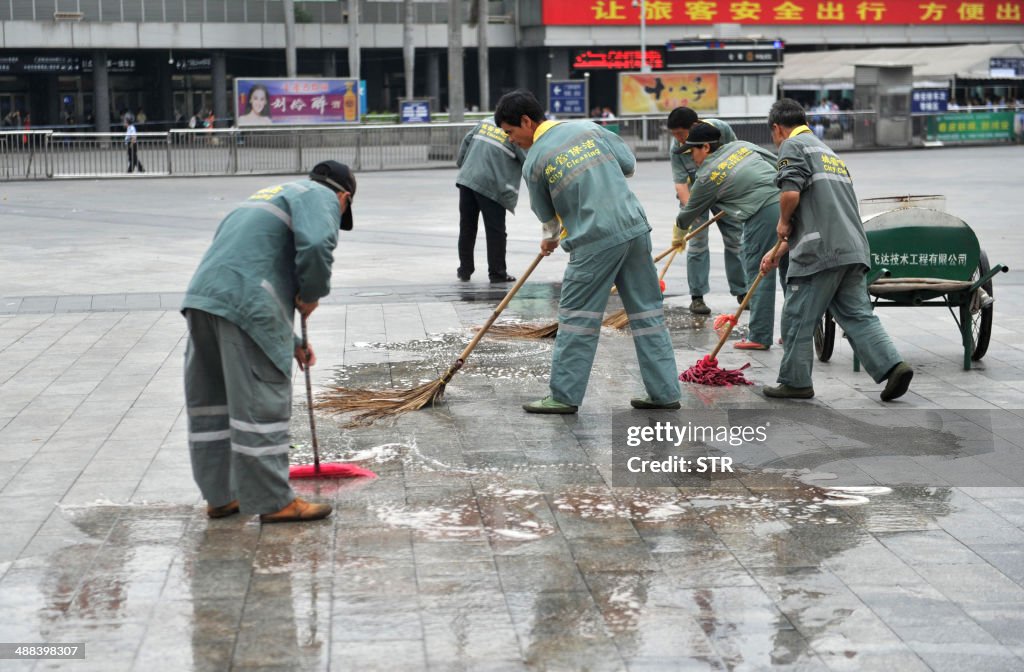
(828,260)
(576,173)
(270,256)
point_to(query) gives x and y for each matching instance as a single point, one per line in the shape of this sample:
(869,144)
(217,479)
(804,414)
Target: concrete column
(291,68)
(219,68)
(409,48)
(100,91)
(483,68)
(456,68)
(559,59)
(353,39)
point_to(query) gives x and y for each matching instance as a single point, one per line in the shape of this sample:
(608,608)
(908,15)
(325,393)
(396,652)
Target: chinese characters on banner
(265,102)
(821,12)
(663,92)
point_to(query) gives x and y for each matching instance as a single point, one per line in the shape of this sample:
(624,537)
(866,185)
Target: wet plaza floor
(862,536)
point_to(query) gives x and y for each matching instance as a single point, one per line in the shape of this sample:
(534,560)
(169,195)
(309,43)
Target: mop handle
(309,397)
(743,305)
(497,311)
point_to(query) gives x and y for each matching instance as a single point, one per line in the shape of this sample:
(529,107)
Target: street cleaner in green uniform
(576,174)
(828,260)
(490,170)
(698,258)
(740,179)
(270,256)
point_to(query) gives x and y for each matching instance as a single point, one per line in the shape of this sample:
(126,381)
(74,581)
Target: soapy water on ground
(497,509)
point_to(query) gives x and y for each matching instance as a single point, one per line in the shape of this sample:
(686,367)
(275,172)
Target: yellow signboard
(662,92)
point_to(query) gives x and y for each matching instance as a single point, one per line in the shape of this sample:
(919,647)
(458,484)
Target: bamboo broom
(618,319)
(372,405)
(536,331)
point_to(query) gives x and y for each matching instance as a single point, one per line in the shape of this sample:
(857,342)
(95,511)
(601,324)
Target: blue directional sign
(415,112)
(567,97)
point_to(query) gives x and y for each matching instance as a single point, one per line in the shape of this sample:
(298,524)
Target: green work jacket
(576,172)
(738,178)
(491,165)
(277,244)
(827,231)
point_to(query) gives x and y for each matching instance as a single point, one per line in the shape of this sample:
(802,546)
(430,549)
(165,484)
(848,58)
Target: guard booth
(887,90)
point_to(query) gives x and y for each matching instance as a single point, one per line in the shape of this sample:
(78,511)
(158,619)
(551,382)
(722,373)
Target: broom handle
(497,311)
(743,305)
(309,398)
(675,251)
(690,235)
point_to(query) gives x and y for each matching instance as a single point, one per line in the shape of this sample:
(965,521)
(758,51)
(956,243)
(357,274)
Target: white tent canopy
(932,65)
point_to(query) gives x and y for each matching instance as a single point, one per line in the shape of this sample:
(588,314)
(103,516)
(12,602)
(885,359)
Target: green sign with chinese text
(971,127)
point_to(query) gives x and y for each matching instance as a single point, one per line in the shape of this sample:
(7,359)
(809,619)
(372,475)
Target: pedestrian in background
(698,257)
(490,170)
(131,143)
(829,258)
(576,172)
(271,255)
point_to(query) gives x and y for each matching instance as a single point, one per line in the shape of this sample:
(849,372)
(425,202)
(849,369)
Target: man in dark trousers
(271,255)
(829,258)
(576,172)
(490,169)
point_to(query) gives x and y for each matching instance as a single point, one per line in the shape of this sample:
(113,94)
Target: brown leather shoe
(229,509)
(299,510)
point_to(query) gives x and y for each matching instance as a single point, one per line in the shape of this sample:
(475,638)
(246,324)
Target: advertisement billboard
(281,102)
(660,93)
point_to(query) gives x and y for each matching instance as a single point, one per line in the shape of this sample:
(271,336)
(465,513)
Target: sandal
(749,345)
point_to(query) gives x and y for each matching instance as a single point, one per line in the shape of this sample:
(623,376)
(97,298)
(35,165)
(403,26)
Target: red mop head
(707,372)
(723,322)
(662,283)
(329,470)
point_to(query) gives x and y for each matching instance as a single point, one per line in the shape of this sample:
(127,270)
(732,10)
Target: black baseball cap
(703,133)
(339,177)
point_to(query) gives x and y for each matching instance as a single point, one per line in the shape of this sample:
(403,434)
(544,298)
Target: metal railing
(42,154)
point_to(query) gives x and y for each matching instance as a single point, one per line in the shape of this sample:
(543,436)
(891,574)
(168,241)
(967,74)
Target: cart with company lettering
(921,256)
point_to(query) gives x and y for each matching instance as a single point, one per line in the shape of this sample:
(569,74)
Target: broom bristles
(376,404)
(524,330)
(617,320)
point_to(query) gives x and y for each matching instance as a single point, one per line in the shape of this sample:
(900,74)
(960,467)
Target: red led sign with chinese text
(782,12)
(616,59)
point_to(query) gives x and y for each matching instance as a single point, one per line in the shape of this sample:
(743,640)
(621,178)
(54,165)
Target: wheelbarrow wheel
(825,337)
(981,321)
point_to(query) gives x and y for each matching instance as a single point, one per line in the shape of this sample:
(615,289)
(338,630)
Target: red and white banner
(783,12)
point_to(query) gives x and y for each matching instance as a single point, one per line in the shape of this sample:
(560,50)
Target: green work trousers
(759,236)
(585,288)
(842,291)
(698,259)
(239,405)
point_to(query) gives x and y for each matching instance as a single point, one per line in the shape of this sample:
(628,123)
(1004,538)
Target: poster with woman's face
(273,101)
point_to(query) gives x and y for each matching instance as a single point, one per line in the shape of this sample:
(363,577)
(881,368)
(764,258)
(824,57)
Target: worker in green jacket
(738,178)
(819,220)
(576,173)
(270,256)
(490,170)
(698,258)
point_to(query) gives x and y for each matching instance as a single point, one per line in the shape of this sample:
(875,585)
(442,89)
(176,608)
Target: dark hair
(681,117)
(248,99)
(787,113)
(514,105)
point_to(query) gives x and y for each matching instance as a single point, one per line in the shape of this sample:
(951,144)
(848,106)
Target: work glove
(679,237)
